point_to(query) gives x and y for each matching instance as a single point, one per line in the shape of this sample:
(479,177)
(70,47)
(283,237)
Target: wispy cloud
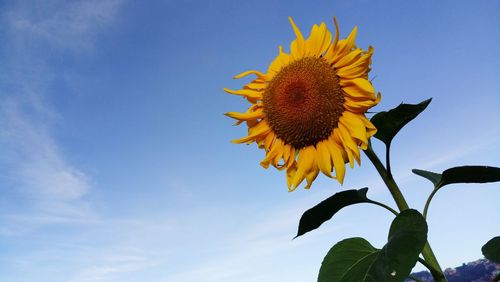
(34,164)
(249,252)
(112,266)
(35,161)
(445,159)
(62,24)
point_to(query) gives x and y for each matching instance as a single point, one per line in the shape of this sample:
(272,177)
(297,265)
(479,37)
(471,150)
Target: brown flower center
(304,102)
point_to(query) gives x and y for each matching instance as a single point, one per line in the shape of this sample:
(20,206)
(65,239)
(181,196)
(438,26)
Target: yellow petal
(324,159)
(256,85)
(304,164)
(253,108)
(279,62)
(351,39)
(253,100)
(253,132)
(361,84)
(370,128)
(329,55)
(348,59)
(275,161)
(318,41)
(297,48)
(291,158)
(257,73)
(296,29)
(337,152)
(246,93)
(364,59)
(357,68)
(286,152)
(326,36)
(355,126)
(357,106)
(311,176)
(344,46)
(290,173)
(359,94)
(340,140)
(268,141)
(352,72)
(274,155)
(252,122)
(337,33)
(350,145)
(246,116)
(340,46)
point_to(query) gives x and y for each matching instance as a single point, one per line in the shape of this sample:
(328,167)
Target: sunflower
(308,111)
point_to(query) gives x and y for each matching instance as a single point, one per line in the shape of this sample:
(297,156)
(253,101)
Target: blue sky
(116,164)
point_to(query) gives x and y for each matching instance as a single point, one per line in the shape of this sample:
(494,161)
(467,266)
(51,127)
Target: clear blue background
(115,160)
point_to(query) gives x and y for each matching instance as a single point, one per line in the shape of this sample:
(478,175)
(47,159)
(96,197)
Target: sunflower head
(308,111)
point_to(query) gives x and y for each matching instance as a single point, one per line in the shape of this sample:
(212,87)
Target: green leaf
(407,238)
(491,250)
(347,259)
(389,123)
(432,176)
(324,211)
(462,174)
(470,174)
(355,259)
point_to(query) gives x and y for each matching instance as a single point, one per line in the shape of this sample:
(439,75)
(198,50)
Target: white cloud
(109,266)
(428,161)
(251,252)
(33,163)
(62,24)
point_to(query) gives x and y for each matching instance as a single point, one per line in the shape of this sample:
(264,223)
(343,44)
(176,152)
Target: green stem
(388,160)
(427,253)
(384,206)
(428,202)
(435,272)
(388,180)
(424,263)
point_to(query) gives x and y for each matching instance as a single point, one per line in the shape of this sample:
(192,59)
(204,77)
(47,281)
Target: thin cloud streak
(49,185)
(267,237)
(63,25)
(115,264)
(403,174)
(36,164)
